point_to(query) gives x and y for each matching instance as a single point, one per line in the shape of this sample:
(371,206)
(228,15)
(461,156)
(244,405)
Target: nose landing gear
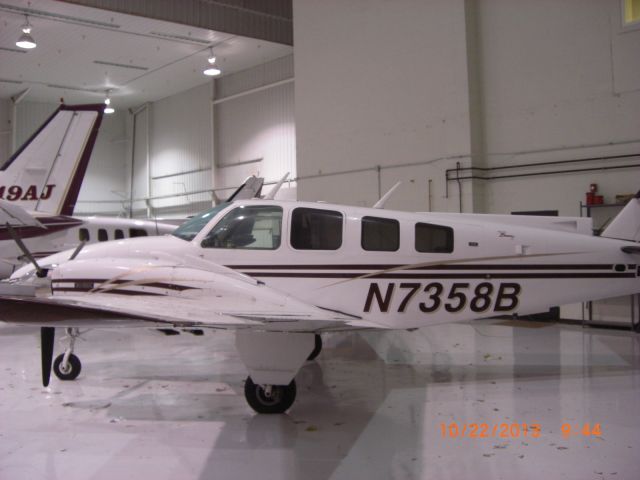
(67,366)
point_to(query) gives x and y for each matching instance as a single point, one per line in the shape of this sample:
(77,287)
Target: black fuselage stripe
(430,267)
(439,276)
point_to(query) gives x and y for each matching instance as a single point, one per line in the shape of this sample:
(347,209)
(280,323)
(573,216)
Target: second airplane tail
(46,173)
(626,225)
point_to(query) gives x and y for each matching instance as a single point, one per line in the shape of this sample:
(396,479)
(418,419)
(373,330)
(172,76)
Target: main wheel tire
(73,370)
(317,348)
(281,398)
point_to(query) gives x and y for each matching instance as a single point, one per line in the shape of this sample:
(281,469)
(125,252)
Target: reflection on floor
(373,406)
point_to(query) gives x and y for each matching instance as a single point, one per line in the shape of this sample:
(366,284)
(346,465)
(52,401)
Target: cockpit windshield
(189,229)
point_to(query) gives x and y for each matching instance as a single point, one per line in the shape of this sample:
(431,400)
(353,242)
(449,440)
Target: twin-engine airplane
(282,273)
(42,180)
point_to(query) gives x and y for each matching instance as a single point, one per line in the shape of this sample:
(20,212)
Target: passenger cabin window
(102,235)
(118,234)
(83,235)
(256,227)
(137,232)
(433,238)
(380,234)
(314,229)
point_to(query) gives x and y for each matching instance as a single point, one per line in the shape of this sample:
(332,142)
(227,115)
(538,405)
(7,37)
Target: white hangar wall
(255,126)
(5,129)
(175,133)
(212,138)
(558,80)
(383,84)
(504,82)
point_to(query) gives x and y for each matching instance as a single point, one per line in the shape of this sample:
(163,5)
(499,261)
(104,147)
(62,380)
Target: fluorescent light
(26,41)
(212,71)
(107,101)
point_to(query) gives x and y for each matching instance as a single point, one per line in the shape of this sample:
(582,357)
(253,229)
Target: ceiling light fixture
(212,70)
(26,41)
(107,101)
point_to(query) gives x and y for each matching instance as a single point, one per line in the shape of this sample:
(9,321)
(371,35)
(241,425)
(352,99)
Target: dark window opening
(102,235)
(118,234)
(83,235)
(380,234)
(137,232)
(314,229)
(433,238)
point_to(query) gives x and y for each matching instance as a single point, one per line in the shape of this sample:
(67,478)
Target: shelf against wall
(588,207)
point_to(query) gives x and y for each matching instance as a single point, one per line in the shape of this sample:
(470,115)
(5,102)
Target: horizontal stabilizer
(626,225)
(16,216)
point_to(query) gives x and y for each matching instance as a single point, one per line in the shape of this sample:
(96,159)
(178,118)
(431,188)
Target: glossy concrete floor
(373,406)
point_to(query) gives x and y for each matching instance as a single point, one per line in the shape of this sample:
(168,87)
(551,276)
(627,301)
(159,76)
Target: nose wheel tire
(72,369)
(269,398)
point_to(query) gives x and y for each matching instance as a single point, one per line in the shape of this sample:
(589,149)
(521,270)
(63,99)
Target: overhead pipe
(458,178)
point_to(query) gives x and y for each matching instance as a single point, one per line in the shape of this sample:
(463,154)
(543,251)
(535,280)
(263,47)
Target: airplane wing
(179,296)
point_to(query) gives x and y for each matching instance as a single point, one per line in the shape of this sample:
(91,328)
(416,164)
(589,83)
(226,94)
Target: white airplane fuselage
(65,232)
(490,267)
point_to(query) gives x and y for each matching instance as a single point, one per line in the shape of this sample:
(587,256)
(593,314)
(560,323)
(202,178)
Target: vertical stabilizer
(626,225)
(46,173)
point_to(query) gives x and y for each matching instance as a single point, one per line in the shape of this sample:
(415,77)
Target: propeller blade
(47,335)
(41,273)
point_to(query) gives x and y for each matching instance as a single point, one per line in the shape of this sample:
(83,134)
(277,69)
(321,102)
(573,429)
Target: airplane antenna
(380,203)
(271,195)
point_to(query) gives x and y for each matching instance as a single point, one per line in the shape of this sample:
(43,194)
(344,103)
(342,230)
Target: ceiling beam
(271,21)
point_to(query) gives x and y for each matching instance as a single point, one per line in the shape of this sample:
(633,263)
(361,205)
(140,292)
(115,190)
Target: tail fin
(626,225)
(46,173)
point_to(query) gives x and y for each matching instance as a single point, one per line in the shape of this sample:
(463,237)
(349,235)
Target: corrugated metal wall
(29,117)
(272,20)
(5,129)
(140,145)
(255,132)
(180,152)
(177,135)
(249,125)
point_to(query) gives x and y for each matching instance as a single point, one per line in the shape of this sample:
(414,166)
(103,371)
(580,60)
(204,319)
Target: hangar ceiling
(83,51)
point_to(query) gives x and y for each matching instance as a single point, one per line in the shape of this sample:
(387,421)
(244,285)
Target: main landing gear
(269,398)
(273,359)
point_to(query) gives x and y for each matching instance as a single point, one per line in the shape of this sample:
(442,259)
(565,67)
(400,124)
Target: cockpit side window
(257,227)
